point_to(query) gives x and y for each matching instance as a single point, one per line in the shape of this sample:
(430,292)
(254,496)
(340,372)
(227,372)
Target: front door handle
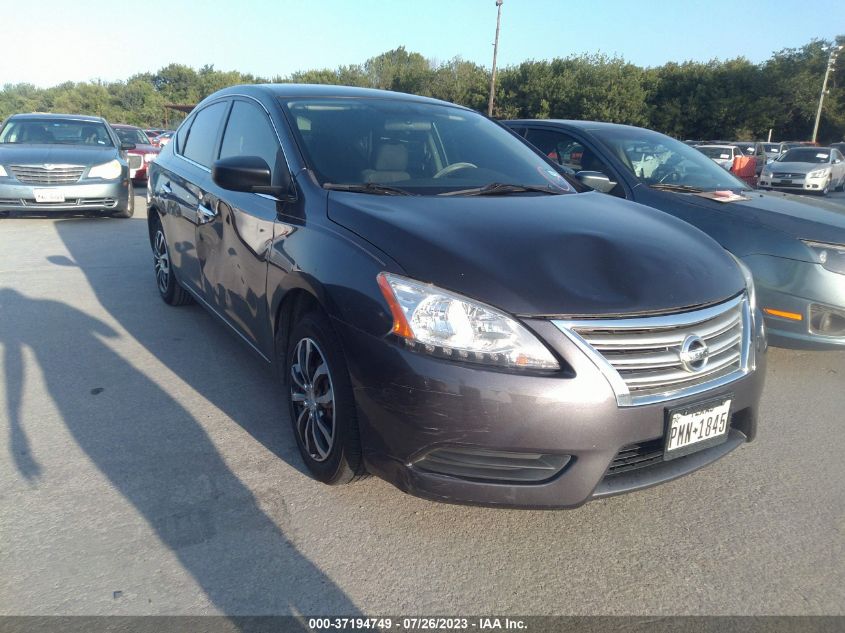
(166,188)
(204,214)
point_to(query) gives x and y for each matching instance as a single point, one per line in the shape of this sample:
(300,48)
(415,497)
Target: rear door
(186,189)
(235,232)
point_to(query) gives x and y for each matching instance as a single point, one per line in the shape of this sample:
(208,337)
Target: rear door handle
(204,214)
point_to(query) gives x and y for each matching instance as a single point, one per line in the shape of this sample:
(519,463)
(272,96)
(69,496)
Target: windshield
(772,148)
(131,135)
(56,131)
(719,153)
(418,148)
(806,155)
(656,159)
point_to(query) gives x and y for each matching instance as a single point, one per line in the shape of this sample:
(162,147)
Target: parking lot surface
(147,467)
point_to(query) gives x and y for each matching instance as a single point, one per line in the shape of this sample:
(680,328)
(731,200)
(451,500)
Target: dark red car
(143,153)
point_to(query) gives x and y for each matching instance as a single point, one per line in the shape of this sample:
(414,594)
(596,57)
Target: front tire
(169,289)
(826,189)
(321,403)
(129,211)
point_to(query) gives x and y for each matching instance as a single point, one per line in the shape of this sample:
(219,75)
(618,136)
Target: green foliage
(730,99)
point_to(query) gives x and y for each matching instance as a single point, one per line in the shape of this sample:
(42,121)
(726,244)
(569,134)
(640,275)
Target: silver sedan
(810,169)
(63,163)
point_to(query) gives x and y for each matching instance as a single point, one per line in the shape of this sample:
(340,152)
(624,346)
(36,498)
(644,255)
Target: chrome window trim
(231,99)
(624,398)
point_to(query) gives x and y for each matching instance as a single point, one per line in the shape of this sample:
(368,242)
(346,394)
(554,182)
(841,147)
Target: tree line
(730,99)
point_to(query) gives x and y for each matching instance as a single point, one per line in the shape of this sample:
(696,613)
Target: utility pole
(831,61)
(495,52)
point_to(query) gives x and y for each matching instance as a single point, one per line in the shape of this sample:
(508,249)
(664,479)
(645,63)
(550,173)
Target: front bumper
(799,289)
(410,404)
(802,183)
(97,196)
(139,175)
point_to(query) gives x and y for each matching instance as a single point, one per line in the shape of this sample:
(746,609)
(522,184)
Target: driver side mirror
(595,180)
(126,146)
(250,174)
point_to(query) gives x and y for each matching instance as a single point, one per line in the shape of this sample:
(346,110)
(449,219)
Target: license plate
(786,182)
(697,426)
(48,195)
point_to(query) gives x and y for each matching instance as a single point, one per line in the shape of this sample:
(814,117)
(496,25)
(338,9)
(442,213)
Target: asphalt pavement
(147,467)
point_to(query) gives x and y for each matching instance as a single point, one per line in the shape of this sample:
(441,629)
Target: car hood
(24,154)
(802,217)
(574,254)
(796,168)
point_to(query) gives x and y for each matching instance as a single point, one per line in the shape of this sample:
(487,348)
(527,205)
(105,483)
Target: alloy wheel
(161,261)
(312,396)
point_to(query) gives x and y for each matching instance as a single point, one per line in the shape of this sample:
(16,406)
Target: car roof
(324,90)
(54,115)
(581,125)
(125,126)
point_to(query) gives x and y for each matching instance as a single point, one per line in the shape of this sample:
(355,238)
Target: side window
(249,133)
(182,134)
(199,146)
(560,147)
(570,153)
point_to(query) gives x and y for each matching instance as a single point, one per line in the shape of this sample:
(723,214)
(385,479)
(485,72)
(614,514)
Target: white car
(811,169)
(722,155)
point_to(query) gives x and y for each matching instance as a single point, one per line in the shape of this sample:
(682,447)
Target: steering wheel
(454,167)
(675,177)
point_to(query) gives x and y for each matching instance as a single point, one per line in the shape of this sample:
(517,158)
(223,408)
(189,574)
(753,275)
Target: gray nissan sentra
(445,309)
(63,163)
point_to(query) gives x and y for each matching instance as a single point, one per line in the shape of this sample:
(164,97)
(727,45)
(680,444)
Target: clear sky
(46,42)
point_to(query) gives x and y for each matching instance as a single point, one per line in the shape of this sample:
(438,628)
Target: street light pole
(495,52)
(830,63)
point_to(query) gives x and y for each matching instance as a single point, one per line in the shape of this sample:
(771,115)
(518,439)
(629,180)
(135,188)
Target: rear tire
(169,289)
(321,402)
(129,211)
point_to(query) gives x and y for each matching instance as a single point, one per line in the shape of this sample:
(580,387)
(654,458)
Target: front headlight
(148,158)
(819,173)
(107,171)
(831,256)
(449,325)
(3,173)
(766,173)
(749,282)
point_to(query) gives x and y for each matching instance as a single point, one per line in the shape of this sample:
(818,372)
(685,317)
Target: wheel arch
(153,218)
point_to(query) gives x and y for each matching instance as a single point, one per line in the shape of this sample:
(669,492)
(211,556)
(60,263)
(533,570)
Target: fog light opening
(827,321)
(477,464)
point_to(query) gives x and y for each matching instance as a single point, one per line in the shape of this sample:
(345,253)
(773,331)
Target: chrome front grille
(41,175)
(783,174)
(135,161)
(652,359)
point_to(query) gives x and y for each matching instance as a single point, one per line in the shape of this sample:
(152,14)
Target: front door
(235,231)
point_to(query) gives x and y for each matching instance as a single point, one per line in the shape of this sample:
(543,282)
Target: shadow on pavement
(150,447)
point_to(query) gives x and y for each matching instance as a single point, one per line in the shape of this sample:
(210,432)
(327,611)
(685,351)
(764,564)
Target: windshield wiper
(370,187)
(500,189)
(665,186)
